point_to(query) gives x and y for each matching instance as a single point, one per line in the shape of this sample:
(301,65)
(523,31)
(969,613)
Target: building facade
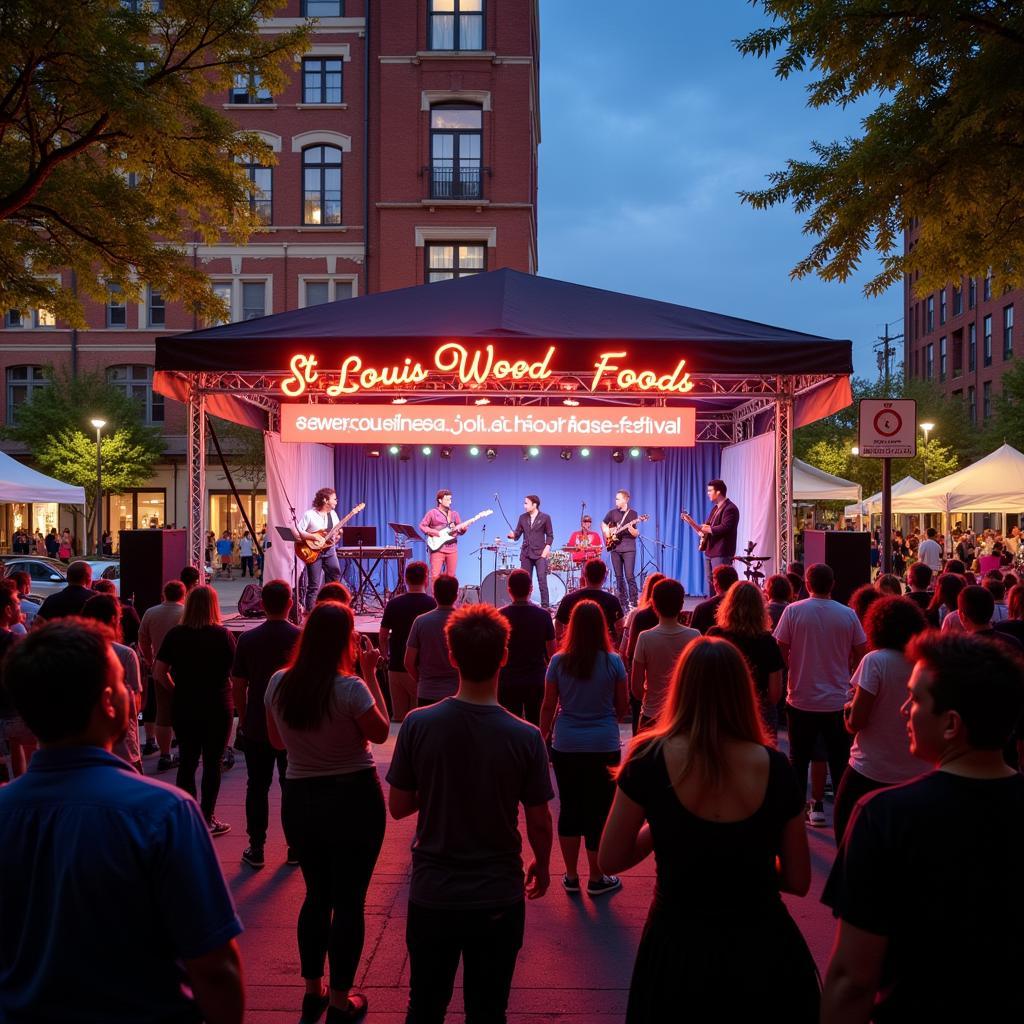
(406,152)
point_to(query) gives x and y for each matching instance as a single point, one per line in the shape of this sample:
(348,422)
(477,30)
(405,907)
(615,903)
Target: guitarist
(321,517)
(538,535)
(445,559)
(719,531)
(624,552)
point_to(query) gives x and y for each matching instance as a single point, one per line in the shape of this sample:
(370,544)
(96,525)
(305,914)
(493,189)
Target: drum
(559,561)
(494,589)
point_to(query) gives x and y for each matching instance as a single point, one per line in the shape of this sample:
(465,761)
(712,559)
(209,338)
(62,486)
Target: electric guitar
(447,535)
(612,535)
(310,550)
(690,521)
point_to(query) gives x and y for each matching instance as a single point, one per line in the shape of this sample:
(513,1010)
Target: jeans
(203,733)
(541,565)
(325,565)
(260,759)
(488,942)
(624,567)
(804,729)
(247,564)
(336,825)
(522,700)
(849,791)
(710,565)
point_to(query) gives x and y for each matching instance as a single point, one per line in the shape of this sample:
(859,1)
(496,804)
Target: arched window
(23,382)
(136,381)
(321,185)
(456,142)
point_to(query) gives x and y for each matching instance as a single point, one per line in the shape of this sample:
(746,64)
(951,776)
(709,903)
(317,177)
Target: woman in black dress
(724,817)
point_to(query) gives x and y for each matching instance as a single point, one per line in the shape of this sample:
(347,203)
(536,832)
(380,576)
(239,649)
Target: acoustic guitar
(612,536)
(690,521)
(310,550)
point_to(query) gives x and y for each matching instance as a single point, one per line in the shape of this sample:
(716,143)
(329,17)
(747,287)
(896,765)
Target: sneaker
(227,762)
(313,1007)
(167,762)
(608,883)
(356,1009)
(292,859)
(816,814)
(253,856)
(149,747)
(217,828)
(571,884)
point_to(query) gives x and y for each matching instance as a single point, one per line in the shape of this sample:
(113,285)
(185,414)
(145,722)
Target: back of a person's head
(23,581)
(778,588)
(585,638)
(79,574)
(201,608)
(995,588)
(795,568)
(889,584)
(103,608)
(979,679)
(416,574)
(920,575)
(189,576)
(796,582)
(744,611)
(1009,580)
(520,583)
(820,579)
(102,586)
(993,574)
(975,605)
(276,596)
(477,638)
(446,590)
(8,600)
(334,591)
(174,591)
(891,622)
(668,596)
(724,577)
(863,598)
(955,566)
(947,588)
(931,532)
(1015,602)
(652,580)
(56,676)
(594,572)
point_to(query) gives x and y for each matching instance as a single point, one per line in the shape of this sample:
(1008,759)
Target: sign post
(888,430)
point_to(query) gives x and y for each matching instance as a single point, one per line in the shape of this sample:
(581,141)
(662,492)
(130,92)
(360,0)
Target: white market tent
(992,484)
(873,506)
(21,484)
(813,484)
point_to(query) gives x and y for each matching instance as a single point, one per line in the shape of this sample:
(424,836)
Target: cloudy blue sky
(651,123)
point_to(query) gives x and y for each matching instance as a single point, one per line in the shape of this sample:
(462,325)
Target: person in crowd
(889,585)
(705,613)
(584,698)
(1000,611)
(880,755)
(744,621)
(795,573)
(29,609)
(225,549)
(426,651)
(592,589)
(259,653)
(157,715)
(863,598)
(975,609)
(947,589)
(919,578)
(929,551)
(106,610)
(334,591)
(211,547)
(41,548)
(956,567)
(70,600)
(641,618)
(189,576)
(399,614)
(1013,624)
(779,591)
(245,554)
(658,649)
(466,764)
(821,642)
(325,709)
(65,550)
(724,815)
(194,661)
(107,544)
(531,644)
(52,543)
(940,950)
(129,616)
(77,821)
(14,733)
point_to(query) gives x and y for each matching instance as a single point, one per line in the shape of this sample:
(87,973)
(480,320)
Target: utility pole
(885,353)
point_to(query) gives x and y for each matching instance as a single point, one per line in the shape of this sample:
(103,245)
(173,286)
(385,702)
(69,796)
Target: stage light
(655,454)
(474,450)
(634,453)
(566,454)
(445,453)
(373,451)
(394,449)
(617,455)
(534,452)
(426,449)
(569,401)
(584,453)
(482,401)
(491,454)
(399,401)
(405,452)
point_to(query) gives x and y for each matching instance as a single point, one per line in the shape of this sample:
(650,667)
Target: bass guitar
(448,534)
(309,551)
(613,534)
(690,521)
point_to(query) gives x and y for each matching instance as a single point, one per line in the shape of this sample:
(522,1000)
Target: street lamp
(855,450)
(99,425)
(926,429)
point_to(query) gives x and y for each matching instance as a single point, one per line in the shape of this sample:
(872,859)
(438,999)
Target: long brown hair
(305,695)
(649,584)
(585,638)
(743,611)
(711,700)
(202,608)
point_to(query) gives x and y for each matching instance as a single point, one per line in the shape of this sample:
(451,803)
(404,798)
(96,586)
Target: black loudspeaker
(149,558)
(849,555)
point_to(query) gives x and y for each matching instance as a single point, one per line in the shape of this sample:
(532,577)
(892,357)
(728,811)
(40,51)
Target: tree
(944,145)
(111,158)
(54,426)
(1007,422)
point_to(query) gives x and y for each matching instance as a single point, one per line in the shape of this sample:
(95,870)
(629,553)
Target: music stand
(404,530)
(289,536)
(359,537)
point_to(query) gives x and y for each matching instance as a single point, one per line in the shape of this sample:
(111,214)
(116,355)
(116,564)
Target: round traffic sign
(888,422)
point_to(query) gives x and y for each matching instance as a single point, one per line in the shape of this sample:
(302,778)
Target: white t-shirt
(820,633)
(245,547)
(313,521)
(951,623)
(929,552)
(881,750)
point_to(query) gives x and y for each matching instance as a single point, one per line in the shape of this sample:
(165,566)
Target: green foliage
(1007,423)
(244,451)
(91,93)
(944,144)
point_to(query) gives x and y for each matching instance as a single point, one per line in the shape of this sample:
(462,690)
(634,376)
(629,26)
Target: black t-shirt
(615,517)
(922,598)
(398,617)
(609,605)
(200,661)
(532,628)
(761,651)
(704,614)
(935,866)
(7,709)
(69,601)
(130,622)
(1011,627)
(258,655)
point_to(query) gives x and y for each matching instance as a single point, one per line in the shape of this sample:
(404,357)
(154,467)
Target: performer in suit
(446,559)
(535,528)
(321,516)
(720,530)
(624,553)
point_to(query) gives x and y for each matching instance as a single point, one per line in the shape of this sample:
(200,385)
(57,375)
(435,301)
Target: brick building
(406,147)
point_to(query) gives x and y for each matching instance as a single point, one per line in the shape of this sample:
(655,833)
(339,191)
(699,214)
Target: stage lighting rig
(655,454)
(617,455)
(445,453)
(566,454)
(491,454)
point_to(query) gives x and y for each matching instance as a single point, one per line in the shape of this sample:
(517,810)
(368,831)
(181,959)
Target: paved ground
(574,967)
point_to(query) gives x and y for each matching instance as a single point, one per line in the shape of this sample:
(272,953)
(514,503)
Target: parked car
(48,575)
(106,569)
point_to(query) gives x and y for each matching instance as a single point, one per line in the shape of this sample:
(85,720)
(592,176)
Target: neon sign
(473,368)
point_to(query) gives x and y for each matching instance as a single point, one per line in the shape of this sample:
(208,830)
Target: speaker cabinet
(848,554)
(149,558)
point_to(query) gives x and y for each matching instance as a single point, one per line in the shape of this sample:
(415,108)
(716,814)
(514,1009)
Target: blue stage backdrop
(396,491)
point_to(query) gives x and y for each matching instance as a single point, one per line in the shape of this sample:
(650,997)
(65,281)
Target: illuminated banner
(459,424)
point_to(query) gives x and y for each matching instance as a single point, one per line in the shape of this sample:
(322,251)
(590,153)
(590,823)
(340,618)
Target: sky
(651,122)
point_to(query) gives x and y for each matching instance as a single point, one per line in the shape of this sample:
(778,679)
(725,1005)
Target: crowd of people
(910,700)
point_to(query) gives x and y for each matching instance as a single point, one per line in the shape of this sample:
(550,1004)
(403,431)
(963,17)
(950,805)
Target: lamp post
(99,425)
(926,429)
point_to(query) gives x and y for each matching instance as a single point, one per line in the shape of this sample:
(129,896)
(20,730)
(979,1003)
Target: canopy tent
(992,484)
(19,483)
(873,506)
(813,484)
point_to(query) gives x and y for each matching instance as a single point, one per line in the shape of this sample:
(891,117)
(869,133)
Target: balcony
(454,183)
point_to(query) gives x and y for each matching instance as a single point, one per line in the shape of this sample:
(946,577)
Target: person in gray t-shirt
(426,651)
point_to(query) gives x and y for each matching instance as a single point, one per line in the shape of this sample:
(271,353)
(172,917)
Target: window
(942,306)
(456,24)
(135,510)
(987,288)
(14,318)
(972,293)
(321,80)
(929,361)
(987,336)
(136,381)
(248,88)
(254,299)
(972,347)
(315,293)
(958,353)
(156,308)
(917,363)
(222,289)
(23,382)
(958,300)
(456,134)
(1008,332)
(321,184)
(942,358)
(323,8)
(261,202)
(972,406)
(142,6)
(930,315)
(446,260)
(986,400)
(117,311)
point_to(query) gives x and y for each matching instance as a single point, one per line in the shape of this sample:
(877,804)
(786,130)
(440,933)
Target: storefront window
(134,510)
(224,514)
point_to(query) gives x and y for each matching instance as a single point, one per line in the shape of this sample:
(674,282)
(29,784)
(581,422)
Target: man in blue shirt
(91,846)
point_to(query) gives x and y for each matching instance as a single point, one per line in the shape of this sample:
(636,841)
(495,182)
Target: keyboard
(367,552)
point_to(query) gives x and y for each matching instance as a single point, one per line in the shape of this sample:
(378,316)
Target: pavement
(577,956)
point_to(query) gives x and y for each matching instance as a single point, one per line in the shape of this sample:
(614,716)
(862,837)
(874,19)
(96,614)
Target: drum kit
(563,572)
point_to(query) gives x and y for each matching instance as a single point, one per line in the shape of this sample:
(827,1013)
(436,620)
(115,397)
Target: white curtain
(748,469)
(295,472)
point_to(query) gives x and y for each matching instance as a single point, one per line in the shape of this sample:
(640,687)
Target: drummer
(585,543)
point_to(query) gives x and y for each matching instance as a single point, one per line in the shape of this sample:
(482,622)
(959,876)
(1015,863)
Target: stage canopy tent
(20,484)
(813,484)
(992,484)
(873,506)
